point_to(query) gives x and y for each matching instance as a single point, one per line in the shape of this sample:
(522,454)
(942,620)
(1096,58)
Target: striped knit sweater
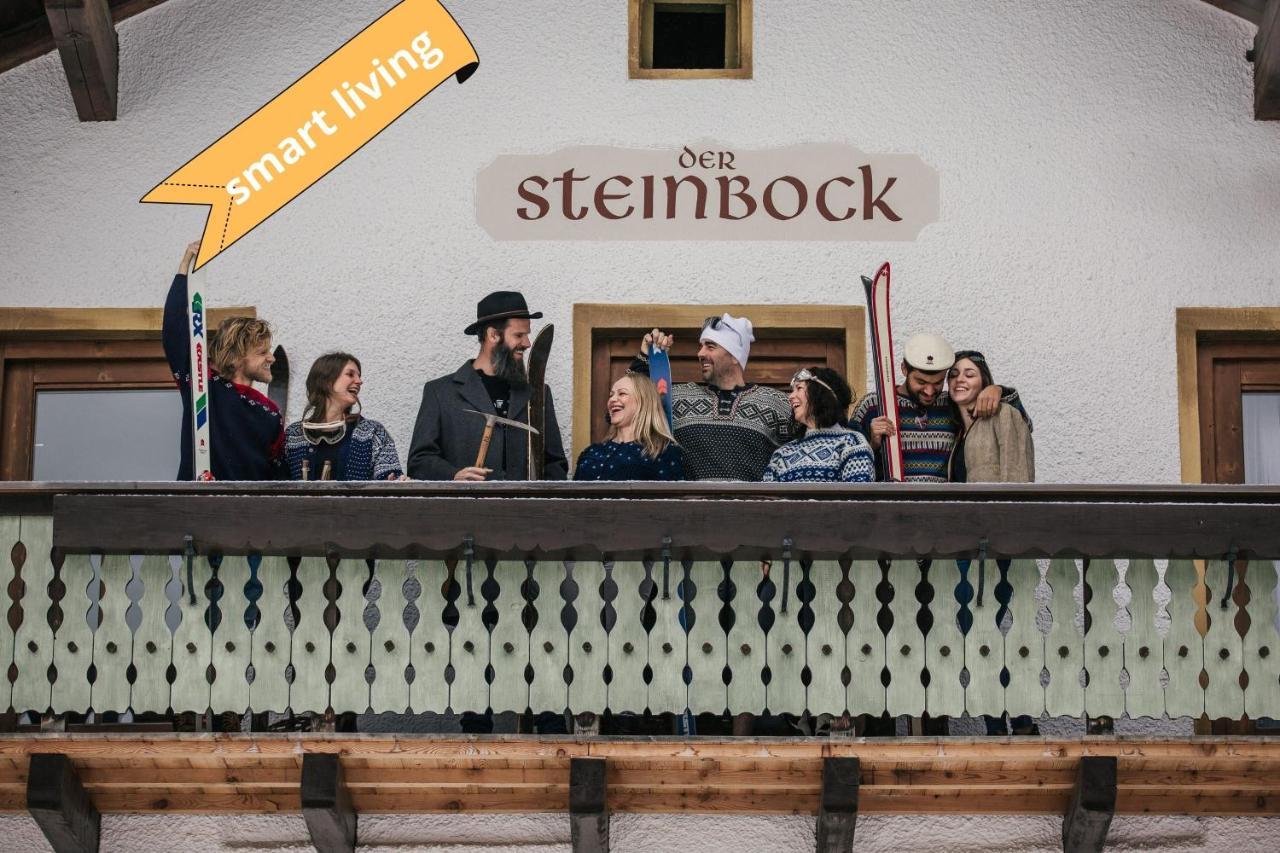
(928,432)
(729,435)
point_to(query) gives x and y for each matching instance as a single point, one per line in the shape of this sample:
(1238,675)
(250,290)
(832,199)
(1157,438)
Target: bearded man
(446,437)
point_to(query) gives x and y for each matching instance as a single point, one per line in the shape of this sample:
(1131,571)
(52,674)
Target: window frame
(738,51)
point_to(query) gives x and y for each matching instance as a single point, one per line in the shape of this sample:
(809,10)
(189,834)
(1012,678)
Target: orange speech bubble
(300,135)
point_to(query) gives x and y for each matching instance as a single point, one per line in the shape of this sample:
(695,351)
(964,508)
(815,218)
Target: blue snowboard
(660,373)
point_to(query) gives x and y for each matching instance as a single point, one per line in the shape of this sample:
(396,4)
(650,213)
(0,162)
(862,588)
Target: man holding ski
(927,423)
(245,429)
(727,428)
(474,424)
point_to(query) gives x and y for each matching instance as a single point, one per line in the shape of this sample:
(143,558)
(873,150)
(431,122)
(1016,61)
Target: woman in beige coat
(988,450)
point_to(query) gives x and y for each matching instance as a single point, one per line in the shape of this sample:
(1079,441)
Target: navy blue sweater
(246,432)
(625,460)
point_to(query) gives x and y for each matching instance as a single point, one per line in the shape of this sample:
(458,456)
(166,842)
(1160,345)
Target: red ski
(882,356)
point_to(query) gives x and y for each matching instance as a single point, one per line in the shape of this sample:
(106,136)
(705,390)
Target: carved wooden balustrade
(419,597)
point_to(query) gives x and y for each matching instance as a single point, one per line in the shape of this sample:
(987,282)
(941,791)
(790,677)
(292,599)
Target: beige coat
(999,449)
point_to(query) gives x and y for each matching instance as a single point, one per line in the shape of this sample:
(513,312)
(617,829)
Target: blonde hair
(652,432)
(235,338)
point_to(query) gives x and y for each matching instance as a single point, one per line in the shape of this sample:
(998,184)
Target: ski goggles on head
(328,433)
(804,374)
(715,324)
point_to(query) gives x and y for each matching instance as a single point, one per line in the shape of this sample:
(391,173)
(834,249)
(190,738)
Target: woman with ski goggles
(334,441)
(827,450)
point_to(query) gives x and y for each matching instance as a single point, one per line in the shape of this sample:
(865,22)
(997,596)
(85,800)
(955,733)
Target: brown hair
(651,430)
(325,371)
(234,339)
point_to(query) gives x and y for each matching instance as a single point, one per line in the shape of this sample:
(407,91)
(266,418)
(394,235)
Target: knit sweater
(369,453)
(246,432)
(729,435)
(928,433)
(625,460)
(835,454)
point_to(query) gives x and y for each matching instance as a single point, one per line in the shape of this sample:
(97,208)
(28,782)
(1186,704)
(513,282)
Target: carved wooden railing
(417,597)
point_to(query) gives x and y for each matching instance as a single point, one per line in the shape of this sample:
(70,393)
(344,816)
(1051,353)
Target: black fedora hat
(501,305)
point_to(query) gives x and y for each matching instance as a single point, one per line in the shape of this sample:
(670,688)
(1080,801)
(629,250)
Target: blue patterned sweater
(625,460)
(832,455)
(368,453)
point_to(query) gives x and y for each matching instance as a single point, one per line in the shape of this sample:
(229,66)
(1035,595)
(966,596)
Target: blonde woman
(639,445)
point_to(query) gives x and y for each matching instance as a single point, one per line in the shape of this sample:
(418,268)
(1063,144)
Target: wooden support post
(838,810)
(86,39)
(1093,804)
(1266,64)
(60,805)
(588,805)
(326,804)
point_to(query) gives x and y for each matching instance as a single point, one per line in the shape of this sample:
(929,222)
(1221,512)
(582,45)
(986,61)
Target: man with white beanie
(726,427)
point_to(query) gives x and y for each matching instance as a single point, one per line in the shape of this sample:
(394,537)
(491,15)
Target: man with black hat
(448,432)
(927,422)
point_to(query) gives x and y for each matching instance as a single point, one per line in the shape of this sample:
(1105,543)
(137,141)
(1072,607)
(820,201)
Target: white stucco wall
(1098,160)
(1099,168)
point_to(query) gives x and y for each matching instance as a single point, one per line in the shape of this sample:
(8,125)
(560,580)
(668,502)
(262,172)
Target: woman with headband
(333,441)
(827,450)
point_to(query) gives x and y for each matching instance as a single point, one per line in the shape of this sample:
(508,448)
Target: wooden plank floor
(259,773)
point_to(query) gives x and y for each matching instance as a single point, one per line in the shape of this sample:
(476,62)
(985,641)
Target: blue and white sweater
(370,452)
(835,454)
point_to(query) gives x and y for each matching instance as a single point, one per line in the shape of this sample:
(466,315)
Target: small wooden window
(684,39)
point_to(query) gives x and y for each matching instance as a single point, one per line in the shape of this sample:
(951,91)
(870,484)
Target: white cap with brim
(929,353)
(733,334)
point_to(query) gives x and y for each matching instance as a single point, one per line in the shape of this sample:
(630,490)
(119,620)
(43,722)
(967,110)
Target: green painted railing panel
(1143,648)
(11,550)
(866,643)
(1024,643)
(708,647)
(271,647)
(589,636)
(153,640)
(825,649)
(1103,644)
(431,637)
(113,647)
(1064,644)
(1183,647)
(1261,652)
(73,637)
(1223,646)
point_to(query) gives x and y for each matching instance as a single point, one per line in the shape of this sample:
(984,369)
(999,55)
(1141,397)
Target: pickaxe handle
(484,444)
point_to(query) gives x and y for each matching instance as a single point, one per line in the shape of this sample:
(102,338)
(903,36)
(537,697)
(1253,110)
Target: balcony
(1067,601)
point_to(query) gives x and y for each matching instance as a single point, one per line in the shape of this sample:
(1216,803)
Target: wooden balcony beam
(60,805)
(588,805)
(1093,805)
(326,804)
(1266,64)
(86,39)
(838,809)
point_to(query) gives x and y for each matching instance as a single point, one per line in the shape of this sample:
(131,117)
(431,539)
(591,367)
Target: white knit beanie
(734,336)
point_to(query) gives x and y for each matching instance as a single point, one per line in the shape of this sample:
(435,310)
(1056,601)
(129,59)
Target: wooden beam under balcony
(1266,64)
(86,39)
(261,773)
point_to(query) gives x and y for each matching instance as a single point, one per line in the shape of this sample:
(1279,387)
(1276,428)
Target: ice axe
(489,421)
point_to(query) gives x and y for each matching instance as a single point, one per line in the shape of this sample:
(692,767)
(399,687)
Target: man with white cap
(727,428)
(926,419)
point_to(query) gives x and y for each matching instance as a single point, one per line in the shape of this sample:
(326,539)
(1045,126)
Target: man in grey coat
(446,437)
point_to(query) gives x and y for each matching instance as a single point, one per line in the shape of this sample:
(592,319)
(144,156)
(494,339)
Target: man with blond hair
(246,431)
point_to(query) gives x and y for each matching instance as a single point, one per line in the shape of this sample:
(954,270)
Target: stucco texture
(1099,168)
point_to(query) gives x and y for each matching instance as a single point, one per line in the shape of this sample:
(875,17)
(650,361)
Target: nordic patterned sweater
(835,454)
(246,432)
(369,453)
(928,432)
(726,435)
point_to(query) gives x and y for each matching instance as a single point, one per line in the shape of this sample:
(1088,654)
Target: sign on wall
(821,191)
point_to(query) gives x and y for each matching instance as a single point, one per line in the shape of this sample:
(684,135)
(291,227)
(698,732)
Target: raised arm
(177,347)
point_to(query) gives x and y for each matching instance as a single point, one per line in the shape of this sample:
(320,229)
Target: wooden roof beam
(86,39)
(1266,65)
(1250,10)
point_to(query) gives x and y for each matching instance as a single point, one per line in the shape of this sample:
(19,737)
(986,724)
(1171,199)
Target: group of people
(955,424)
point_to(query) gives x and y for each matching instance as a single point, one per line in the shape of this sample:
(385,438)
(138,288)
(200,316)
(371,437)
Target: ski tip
(884,270)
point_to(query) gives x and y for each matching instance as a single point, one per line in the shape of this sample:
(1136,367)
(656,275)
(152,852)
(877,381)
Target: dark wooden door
(1227,371)
(775,357)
